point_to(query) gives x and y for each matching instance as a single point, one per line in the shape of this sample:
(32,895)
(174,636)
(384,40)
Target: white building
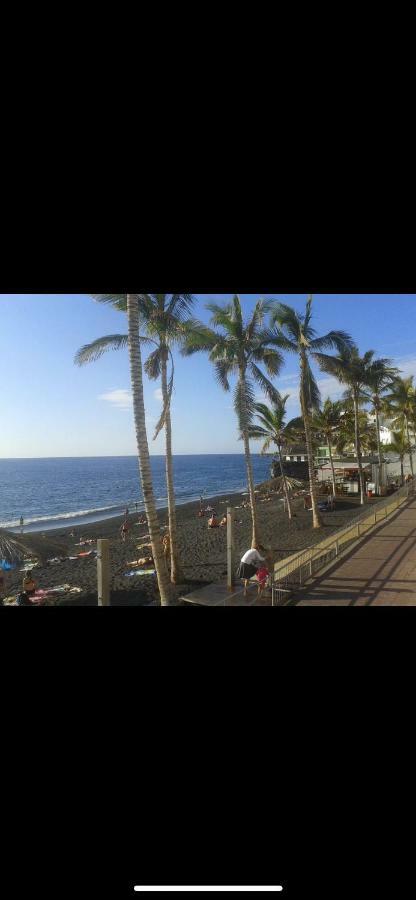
(386,435)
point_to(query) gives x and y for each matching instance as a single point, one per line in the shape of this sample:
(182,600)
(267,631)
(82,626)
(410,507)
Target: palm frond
(222,369)
(153,364)
(118,301)
(287,318)
(308,311)
(181,306)
(92,352)
(267,444)
(334,340)
(310,389)
(244,404)
(198,338)
(261,309)
(266,385)
(12,550)
(272,360)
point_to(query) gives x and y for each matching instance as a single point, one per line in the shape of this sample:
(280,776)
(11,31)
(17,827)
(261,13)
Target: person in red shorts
(262,576)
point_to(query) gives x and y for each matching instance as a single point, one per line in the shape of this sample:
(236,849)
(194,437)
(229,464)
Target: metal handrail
(293,571)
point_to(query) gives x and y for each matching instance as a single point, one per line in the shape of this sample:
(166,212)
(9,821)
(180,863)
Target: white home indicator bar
(277,887)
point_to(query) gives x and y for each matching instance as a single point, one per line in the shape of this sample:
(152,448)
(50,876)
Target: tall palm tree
(162,319)
(399,445)
(327,423)
(401,404)
(132,304)
(272,428)
(353,371)
(380,376)
(238,349)
(135,355)
(298,336)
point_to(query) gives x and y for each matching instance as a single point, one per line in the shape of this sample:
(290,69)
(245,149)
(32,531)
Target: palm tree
(12,550)
(133,303)
(163,317)
(238,349)
(380,376)
(353,371)
(272,429)
(401,404)
(399,445)
(298,336)
(326,422)
(346,435)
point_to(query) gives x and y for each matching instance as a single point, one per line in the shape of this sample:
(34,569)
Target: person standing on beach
(249,565)
(22,522)
(166,549)
(124,530)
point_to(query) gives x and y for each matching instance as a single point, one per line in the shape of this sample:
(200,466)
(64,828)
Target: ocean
(53,493)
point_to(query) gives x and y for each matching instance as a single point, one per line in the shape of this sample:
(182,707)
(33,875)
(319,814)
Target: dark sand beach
(202,551)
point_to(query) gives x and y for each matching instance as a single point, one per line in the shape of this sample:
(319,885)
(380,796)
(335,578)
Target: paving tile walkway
(380,571)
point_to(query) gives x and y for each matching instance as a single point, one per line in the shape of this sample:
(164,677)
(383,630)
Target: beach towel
(6,566)
(139,572)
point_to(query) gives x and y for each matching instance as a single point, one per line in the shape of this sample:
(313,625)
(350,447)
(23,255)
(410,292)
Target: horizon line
(129,456)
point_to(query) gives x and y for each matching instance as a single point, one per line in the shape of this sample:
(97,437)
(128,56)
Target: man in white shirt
(250,562)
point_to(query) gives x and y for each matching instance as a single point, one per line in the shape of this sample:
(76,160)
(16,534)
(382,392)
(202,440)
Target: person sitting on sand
(145,562)
(29,585)
(213,521)
(250,563)
(223,522)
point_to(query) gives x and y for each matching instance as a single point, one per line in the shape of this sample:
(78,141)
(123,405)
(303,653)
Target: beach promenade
(380,571)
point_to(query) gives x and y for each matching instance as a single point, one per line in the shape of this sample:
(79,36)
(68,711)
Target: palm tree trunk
(410,447)
(255,536)
(285,488)
(175,570)
(334,485)
(143,447)
(358,449)
(317,520)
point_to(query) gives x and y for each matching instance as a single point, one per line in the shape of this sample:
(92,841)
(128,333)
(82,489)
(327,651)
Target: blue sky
(49,407)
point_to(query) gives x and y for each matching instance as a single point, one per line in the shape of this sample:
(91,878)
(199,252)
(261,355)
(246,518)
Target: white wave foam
(62,516)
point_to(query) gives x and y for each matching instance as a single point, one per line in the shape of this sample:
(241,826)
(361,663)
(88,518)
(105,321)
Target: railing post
(230,548)
(103,572)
